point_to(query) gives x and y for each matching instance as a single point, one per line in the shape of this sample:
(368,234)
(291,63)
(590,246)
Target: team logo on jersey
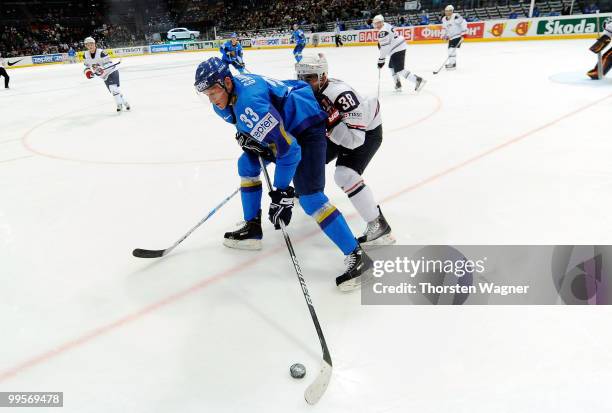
(263,127)
(13,63)
(522,28)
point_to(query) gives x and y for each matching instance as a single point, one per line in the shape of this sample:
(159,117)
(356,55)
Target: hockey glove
(333,115)
(381,62)
(333,118)
(252,146)
(281,205)
(89,73)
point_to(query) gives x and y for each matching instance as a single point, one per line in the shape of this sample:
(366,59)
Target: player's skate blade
(247,244)
(387,239)
(358,271)
(247,237)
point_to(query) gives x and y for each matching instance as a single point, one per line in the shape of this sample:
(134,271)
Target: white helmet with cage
(311,65)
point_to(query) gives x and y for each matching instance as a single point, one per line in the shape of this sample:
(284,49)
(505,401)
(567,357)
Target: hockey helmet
(89,40)
(378,18)
(211,72)
(311,65)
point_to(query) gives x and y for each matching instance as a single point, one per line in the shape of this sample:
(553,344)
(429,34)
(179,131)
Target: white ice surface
(512,148)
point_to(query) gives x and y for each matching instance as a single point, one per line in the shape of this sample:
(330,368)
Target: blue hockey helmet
(211,72)
(233,36)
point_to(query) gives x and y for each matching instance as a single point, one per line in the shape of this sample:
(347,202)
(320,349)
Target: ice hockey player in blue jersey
(280,121)
(299,38)
(231,53)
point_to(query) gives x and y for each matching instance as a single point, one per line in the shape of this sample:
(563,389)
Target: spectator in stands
(536,12)
(591,8)
(566,10)
(424,19)
(513,15)
(72,55)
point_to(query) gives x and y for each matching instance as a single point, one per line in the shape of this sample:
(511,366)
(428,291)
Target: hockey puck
(298,371)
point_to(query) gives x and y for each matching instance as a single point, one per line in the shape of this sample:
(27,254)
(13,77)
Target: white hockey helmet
(378,18)
(449,8)
(311,65)
(89,40)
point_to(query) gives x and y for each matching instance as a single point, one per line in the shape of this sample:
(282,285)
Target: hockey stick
(446,60)
(316,389)
(378,95)
(599,61)
(142,253)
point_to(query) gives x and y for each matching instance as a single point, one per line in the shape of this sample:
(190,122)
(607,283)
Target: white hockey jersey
(100,63)
(453,26)
(389,41)
(608,29)
(358,114)
(1,61)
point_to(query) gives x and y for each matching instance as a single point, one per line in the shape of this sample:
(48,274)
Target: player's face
(312,80)
(91,47)
(234,42)
(379,25)
(448,13)
(217,96)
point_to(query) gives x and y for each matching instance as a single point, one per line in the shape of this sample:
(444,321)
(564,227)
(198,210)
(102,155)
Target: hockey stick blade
(140,253)
(315,391)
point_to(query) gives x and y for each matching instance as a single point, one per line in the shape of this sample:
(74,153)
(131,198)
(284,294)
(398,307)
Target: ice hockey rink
(512,148)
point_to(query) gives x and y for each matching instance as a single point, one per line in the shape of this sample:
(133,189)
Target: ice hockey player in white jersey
(454,27)
(606,58)
(354,130)
(99,64)
(393,44)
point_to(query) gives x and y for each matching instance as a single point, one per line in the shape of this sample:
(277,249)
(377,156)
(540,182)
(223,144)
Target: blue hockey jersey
(273,112)
(231,53)
(298,37)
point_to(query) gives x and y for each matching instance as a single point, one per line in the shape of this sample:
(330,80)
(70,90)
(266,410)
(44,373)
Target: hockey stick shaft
(111,66)
(318,387)
(599,60)
(142,253)
(446,60)
(378,94)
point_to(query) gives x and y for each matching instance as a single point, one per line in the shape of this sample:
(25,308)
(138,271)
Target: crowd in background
(26,30)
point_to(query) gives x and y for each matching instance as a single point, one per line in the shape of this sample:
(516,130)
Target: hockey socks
(408,75)
(330,220)
(250,194)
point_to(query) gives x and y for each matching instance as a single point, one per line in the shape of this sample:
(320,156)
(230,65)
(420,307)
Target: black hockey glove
(280,208)
(252,146)
(381,62)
